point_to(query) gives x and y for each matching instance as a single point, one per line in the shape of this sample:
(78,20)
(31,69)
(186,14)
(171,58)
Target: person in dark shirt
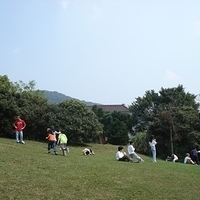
(194,155)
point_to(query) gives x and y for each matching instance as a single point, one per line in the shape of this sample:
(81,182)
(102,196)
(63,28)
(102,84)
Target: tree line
(171,115)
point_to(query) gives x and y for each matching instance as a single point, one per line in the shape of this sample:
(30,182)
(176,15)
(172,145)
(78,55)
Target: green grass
(28,172)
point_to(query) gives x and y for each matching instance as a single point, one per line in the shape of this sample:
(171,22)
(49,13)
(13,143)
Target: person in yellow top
(51,141)
(62,140)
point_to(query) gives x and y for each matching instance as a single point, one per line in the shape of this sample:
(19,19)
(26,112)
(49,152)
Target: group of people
(57,137)
(53,137)
(53,140)
(193,157)
(122,156)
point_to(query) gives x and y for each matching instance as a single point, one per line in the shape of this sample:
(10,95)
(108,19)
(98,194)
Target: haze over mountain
(56,97)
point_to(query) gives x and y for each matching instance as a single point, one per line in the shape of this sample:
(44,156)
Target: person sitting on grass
(121,155)
(132,154)
(188,159)
(87,152)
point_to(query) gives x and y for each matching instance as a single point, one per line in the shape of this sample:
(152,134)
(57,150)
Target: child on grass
(62,140)
(188,159)
(51,141)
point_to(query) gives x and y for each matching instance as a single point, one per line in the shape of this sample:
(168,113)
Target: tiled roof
(111,108)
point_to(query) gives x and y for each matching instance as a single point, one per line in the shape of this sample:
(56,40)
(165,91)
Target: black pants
(125,158)
(196,159)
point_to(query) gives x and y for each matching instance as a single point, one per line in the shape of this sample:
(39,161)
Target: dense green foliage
(116,125)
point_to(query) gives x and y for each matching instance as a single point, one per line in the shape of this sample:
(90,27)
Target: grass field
(28,172)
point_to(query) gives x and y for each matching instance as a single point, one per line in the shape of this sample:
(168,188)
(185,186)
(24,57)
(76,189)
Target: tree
(8,106)
(79,123)
(116,127)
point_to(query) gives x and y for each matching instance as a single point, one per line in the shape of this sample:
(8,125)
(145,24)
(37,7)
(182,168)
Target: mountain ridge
(57,97)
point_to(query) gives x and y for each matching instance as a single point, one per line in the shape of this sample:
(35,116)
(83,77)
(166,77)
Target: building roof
(111,108)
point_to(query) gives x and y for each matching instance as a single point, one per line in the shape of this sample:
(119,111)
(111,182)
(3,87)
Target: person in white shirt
(173,158)
(152,144)
(132,154)
(121,155)
(188,159)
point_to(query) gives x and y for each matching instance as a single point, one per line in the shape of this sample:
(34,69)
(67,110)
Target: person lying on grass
(87,151)
(188,159)
(121,155)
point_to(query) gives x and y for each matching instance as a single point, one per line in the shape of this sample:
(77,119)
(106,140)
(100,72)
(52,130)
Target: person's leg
(17,136)
(64,152)
(196,159)
(54,147)
(154,155)
(137,157)
(175,159)
(64,148)
(49,146)
(125,158)
(21,137)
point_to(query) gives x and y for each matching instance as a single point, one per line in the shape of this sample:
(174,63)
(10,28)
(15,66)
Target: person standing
(19,125)
(194,155)
(62,140)
(132,154)
(152,144)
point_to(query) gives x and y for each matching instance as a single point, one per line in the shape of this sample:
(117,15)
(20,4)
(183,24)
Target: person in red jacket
(19,125)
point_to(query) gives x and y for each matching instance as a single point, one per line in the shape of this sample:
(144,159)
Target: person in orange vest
(51,141)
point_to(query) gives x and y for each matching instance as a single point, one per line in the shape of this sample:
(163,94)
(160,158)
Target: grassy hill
(56,97)
(29,172)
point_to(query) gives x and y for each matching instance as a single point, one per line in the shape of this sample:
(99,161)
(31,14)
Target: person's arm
(47,137)
(154,141)
(14,124)
(24,123)
(58,139)
(117,156)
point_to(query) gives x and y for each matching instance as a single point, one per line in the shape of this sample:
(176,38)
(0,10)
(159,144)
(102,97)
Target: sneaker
(137,161)
(56,153)
(142,160)
(17,141)
(22,142)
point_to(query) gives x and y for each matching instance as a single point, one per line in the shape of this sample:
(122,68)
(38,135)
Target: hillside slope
(56,97)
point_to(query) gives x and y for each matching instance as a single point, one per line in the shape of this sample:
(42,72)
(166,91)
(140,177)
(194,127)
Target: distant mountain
(56,97)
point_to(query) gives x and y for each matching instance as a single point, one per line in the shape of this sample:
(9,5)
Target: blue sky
(104,51)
